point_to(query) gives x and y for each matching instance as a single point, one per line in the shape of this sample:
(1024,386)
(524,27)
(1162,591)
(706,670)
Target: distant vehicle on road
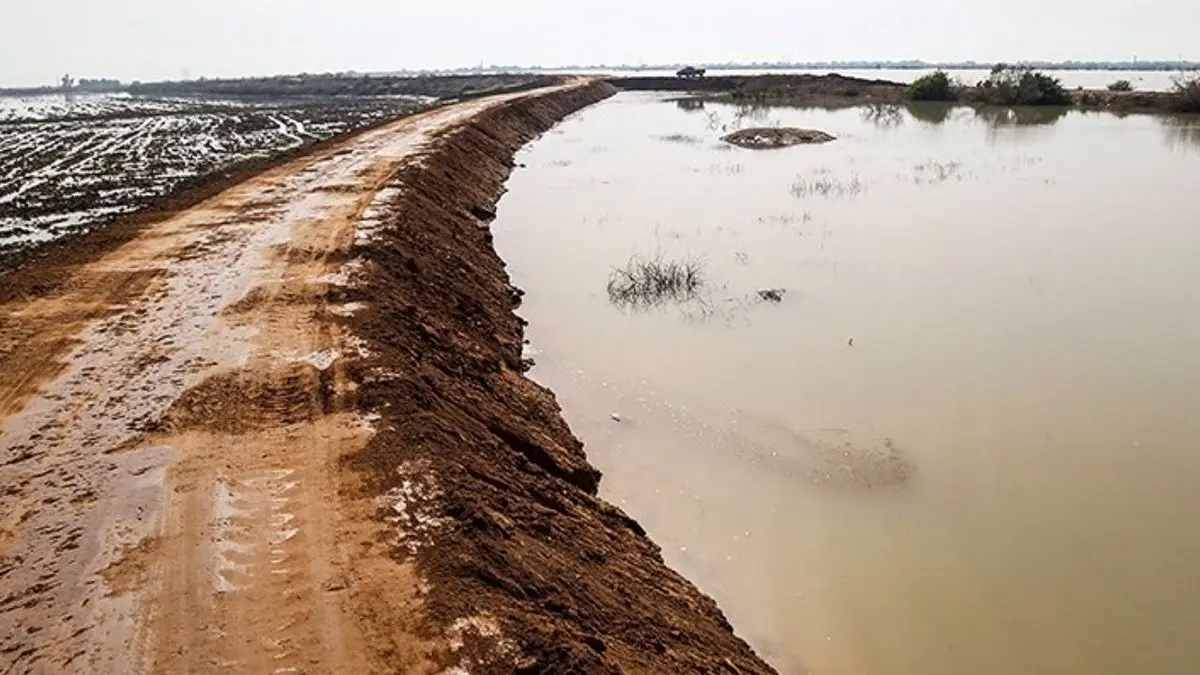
(690,73)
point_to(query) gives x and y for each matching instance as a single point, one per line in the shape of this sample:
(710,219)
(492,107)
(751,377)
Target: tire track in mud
(259,589)
(173,416)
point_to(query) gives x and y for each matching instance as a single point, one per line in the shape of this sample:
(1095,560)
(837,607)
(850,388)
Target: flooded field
(67,164)
(957,434)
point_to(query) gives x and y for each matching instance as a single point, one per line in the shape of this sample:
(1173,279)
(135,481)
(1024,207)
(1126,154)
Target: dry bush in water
(934,171)
(683,139)
(788,218)
(825,186)
(648,282)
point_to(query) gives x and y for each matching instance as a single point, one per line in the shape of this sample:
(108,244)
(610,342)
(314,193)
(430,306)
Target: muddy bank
(509,524)
(1126,101)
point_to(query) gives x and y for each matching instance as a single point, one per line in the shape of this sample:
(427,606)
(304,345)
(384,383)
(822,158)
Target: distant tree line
(1006,84)
(98,85)
(1021,85)
(910,64)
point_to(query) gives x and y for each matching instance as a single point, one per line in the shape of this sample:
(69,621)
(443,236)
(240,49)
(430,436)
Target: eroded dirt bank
(286,431)
(481,458)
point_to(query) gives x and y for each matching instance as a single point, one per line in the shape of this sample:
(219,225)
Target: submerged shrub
(1121,85)
(936,86)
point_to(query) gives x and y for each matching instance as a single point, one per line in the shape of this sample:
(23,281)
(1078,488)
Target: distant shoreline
(1116,66)
(922,65)
(838,91)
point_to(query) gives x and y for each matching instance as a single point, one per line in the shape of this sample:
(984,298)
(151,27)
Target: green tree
(935,86)
(1010,84)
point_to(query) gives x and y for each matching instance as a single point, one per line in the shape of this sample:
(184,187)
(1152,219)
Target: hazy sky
(156,39)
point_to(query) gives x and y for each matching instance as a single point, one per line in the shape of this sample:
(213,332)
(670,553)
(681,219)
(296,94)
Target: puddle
(961,442)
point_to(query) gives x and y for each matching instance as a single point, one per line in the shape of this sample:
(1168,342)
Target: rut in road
(173,414)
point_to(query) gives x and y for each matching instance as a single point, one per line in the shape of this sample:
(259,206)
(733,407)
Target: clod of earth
(761,138)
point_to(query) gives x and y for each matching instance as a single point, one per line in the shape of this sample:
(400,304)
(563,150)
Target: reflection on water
(929,111)
(890,114)
(960,437)
(1182,132)
(882,114)
(998,116)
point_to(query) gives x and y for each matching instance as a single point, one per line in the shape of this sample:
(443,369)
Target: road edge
(473,473)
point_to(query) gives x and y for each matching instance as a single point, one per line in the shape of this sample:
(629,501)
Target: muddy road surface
(165,433)
(200,468)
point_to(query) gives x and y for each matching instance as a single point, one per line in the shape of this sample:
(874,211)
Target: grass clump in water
(937,172)
(648,282)
(827,186)
(682,139)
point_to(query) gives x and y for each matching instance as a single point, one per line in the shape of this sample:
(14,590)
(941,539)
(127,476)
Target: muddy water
(965,441)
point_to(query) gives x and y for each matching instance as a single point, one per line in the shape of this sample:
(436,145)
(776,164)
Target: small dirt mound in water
(776,137)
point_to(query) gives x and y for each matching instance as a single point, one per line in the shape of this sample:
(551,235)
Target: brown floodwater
(967,440)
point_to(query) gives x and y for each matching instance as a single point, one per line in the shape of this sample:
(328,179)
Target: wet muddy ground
(285,429)
(955,436)
(70,164)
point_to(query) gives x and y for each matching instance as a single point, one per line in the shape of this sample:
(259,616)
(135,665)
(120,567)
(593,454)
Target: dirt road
(286,431)
(172,416)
